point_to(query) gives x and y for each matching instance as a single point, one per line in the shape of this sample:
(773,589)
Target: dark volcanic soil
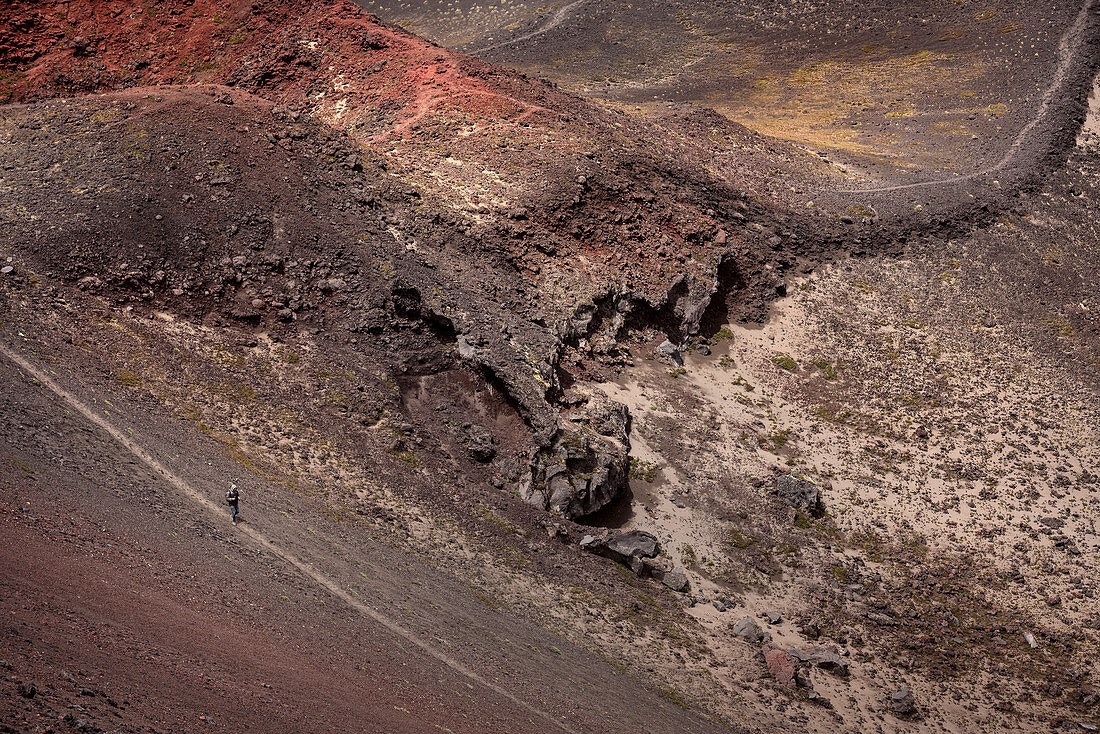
(901,93)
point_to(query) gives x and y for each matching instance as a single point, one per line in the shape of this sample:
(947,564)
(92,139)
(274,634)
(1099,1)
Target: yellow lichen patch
(822,103)
(947,127)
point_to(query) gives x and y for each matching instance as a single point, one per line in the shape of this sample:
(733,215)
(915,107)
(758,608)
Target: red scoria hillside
(501,151)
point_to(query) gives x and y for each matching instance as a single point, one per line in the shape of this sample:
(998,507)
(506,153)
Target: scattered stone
(801,494)
(27,690)
(6,269)
(717,604)
(810,629)
(902,702)
(883,619)
(773,617)
(1030,639)
(747,629)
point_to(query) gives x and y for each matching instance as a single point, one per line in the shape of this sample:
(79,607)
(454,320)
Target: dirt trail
(1069,49)
(318,578)
(556,18)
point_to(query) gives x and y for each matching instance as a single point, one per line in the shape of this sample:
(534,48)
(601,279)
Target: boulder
(633,549)
(633,543)
(675,579)
(670,350)
(748,630)
(902,701)
(801,494)
(779,665)
(585,469)
(826,658)
(478,441)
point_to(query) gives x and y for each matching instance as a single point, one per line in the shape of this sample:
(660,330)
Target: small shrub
(785,361)
(739,539)
(827,367)
(687,553)
(407,456)
(128,378)
(645,471)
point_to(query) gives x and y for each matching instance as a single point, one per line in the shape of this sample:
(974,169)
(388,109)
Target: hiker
(232,497)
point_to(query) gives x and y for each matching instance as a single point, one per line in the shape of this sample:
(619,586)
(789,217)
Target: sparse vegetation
(641,470)
(784,361)
(739,539)
(128,378)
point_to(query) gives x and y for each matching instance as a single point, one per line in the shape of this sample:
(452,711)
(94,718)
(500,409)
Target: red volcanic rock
(779,665)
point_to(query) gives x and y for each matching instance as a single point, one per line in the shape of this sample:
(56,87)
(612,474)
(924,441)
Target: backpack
(231,496)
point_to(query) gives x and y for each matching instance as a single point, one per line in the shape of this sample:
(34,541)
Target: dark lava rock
(582,471)
(675,579)
(801,494)
(747,629)
(633,543)
(479,442)
(902,702)
(577,475)
(632,549)
(826,658)
(27,690)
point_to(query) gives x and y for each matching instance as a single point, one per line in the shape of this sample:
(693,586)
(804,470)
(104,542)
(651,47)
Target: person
(232,497)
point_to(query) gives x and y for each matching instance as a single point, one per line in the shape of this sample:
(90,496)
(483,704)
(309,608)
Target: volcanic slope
(607,220)
(899,94)
(364,302)
(321,605)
